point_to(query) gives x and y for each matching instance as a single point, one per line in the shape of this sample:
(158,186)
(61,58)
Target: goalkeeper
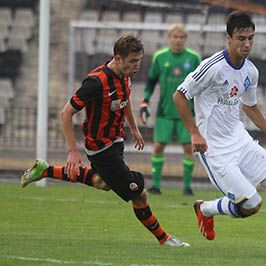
(170,66)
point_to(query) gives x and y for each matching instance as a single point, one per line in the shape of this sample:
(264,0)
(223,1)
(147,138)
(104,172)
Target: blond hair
(179,27)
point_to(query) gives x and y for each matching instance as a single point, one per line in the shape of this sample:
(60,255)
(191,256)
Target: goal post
(91,43)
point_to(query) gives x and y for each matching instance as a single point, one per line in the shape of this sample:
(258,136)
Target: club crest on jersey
(176,71)
(234,91)
(118,104)
(187,65)
(246,83)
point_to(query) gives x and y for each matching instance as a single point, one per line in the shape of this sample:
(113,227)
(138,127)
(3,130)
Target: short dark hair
(238,20)
(127,44)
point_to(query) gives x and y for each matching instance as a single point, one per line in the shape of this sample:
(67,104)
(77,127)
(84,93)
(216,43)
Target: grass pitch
(67,224)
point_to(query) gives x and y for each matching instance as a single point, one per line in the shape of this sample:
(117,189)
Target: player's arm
(74,159)
(256,116)
(90,89)
(198,142)
(133,126)
(149,89)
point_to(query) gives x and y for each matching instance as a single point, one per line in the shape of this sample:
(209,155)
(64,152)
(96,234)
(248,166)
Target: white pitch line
(70,200)
(145,265)
(57,261)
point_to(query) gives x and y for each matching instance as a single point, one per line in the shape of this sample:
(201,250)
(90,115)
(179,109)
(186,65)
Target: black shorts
(111,167)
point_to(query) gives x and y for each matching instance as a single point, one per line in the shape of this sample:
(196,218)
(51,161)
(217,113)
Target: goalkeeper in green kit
(169,67)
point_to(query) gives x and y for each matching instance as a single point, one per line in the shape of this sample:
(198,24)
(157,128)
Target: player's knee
(100,184)
(140,200)
(248,212)
(136,182)
(251,206)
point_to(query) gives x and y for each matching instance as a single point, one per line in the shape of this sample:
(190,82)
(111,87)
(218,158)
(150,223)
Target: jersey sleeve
(153,77)
(249,97)
(196,82)
(154,70)
(90,89)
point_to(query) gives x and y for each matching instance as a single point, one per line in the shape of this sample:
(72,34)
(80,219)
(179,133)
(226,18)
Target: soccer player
(105,95)
(235,163)
(170,66)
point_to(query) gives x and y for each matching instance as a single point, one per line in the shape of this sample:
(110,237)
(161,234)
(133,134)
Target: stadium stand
(19,31)
(16,29)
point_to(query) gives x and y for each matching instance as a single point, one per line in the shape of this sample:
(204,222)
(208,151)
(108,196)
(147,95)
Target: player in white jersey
(234,162)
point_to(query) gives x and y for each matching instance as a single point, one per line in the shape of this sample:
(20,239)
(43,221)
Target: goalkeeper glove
(143,111)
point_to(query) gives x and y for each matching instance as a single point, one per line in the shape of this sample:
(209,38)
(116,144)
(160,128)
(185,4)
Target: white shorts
(236,174)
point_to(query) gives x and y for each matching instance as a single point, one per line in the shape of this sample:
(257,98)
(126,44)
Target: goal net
(91,44)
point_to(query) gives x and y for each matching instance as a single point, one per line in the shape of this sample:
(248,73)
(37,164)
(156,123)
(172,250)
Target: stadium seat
(105,41)
(217,19)
(259,47)
(110,16)
(21,31)
(2,116)
(6,88)
(85,41)
(24,17)
(134,32)
(259,20)
(10,62)
(18,43)
(4,30)
(151,40)
(92,15)
(194,41)
(197,19)
(153,17)
(3,47)
(5,16)
(214,42)
(172,18)
(132,16)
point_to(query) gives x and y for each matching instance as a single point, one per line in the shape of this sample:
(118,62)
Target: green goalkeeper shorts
(166,129)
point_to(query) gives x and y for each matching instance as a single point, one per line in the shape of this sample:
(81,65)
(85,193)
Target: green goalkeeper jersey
(170,69)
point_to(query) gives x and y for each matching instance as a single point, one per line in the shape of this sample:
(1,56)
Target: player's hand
(198,143)
(138,139)
(74,161)
(143,111)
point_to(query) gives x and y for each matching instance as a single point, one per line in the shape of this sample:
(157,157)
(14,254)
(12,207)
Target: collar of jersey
(229,62)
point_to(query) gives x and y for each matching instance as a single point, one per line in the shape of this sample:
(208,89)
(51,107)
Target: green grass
(66,224)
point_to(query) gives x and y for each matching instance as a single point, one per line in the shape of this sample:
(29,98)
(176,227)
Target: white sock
(222,206)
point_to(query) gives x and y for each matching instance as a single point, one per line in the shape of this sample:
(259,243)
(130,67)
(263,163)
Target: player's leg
(163,132)
(145,215)
(129,185)
(241,198)
(157,162)
(41,169)
(183,137)
(188,169)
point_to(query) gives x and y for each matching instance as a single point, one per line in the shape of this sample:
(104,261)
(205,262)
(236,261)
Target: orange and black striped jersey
(105,96)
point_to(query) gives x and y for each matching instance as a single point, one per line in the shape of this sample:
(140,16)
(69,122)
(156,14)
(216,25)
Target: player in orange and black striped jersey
(105,95)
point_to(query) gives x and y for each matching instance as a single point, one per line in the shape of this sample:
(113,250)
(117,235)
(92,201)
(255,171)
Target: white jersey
(218,88)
